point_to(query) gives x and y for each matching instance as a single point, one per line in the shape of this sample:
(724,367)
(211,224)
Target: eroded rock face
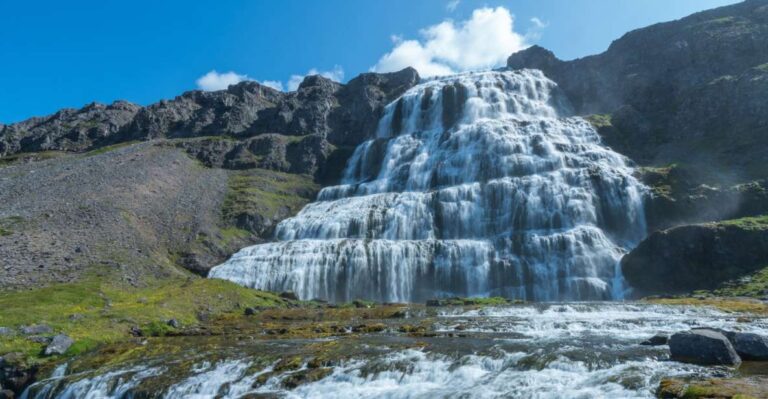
(332,113)
(68,129)
(692,90)
(694,257)
(705,347)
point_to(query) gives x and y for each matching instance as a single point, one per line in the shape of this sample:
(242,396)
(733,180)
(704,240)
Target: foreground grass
(95,311)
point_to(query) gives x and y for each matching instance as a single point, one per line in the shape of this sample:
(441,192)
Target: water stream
(573,350)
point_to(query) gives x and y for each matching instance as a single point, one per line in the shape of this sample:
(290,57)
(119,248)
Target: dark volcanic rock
(361,102)
(705,347)
(694,257)
(693,90)
(750,346)
(68,129)
(656,340)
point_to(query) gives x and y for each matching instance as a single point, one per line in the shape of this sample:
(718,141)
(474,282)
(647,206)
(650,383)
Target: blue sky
(56,54)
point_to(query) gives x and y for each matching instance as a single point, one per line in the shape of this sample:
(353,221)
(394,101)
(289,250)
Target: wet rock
(59,345)
(173,323)
(6,394)
(306,376)
(750,346)
(14,376)
(36,329)
(704,347)
(250,311)
(290,295)
(656,340)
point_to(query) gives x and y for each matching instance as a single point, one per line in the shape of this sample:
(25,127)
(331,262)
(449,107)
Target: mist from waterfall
(478,184)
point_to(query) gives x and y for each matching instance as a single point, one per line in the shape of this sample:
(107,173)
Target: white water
(577,350)
(476,184)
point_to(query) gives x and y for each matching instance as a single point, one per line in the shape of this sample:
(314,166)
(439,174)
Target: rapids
(570,350)
(478,184)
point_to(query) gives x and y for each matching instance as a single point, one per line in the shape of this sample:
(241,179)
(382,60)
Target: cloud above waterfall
(483,41)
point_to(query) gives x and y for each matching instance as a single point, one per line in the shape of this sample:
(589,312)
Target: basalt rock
(691,90)
(705,347)
(695,257)
(333,113)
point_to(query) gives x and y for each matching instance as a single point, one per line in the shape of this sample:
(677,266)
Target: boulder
(36,329)
(696,257)
(656,340)
(750,346)
(704,347)
(59,345)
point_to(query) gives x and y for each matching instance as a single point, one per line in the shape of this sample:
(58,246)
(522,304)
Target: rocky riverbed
(574,350)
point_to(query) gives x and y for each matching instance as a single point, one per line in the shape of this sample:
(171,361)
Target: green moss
(107,310)
(599,120)
(755,286)
(748,223)
(265,192)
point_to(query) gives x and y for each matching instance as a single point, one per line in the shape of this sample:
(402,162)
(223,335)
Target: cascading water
(475,184)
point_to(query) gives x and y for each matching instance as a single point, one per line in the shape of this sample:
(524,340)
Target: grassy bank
(96,311)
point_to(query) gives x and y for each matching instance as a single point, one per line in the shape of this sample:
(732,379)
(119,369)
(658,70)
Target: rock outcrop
(692,90)
(333,113)
(697,257)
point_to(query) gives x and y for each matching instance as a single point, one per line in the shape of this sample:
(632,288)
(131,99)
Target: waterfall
(475,184)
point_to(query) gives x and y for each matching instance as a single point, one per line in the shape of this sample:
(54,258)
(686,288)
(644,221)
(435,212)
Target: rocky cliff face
(212,172)
(697,257)
(336,114)
(688,91)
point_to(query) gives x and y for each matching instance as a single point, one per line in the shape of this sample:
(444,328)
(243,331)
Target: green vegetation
(732,388)
(9,224)
(459,301)
(748,223)
(96,311)
(763,67)
(30,157)
(264,192)
(599,120)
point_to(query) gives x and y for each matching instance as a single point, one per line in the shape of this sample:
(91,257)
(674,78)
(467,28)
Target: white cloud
(219,81)
(335,74)
(275,84)
(538,23)
(482,42)
(452,4)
